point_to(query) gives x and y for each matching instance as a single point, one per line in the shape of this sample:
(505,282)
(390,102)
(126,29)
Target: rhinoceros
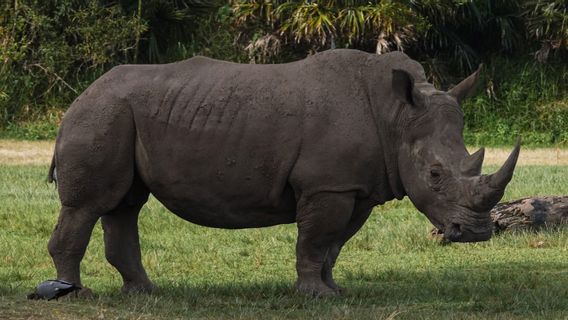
(317,142)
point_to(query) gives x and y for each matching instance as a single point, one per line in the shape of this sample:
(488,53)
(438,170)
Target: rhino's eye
(436,171)
(434,174)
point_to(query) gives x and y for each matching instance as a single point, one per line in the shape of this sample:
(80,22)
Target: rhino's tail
(52,175)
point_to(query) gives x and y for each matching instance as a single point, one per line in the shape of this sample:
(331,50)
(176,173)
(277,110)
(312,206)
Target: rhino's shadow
(480,287)
(502,285)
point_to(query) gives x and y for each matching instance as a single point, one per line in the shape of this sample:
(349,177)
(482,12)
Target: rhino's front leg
(329,263)
(322,220)
(360,215)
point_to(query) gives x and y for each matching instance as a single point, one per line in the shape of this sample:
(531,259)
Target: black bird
(52,289)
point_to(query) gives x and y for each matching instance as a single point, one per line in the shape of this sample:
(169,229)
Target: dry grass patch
(15,152)
(528,157)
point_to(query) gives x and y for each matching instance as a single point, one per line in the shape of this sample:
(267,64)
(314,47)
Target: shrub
(520,98)
(49,56)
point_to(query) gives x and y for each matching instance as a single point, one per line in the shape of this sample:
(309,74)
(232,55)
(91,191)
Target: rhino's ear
(402,85)
(466,88)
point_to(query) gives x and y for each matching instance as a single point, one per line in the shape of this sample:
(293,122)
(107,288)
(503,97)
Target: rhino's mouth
(453,232)
(465,226)
(456,232)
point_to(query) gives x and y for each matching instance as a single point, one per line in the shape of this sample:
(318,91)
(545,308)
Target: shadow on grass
(497,286)
(486,288)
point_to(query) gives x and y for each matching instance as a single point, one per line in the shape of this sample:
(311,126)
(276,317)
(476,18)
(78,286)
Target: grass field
(390,269)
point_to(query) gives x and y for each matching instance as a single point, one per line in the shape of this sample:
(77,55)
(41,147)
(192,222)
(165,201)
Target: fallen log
(531,213)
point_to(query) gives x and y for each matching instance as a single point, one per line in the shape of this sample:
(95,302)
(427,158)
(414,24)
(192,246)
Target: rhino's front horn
(501,178)
(489,189)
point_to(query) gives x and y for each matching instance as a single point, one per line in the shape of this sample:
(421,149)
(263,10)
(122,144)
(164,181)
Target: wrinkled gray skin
(318,142)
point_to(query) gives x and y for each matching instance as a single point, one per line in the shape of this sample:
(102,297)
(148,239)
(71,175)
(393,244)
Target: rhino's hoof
(339,290)
(317,290)
(136,288)
(335,287)
(83,293)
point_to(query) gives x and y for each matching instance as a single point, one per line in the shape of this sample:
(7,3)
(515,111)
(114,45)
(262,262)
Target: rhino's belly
(219,186)
(211,210)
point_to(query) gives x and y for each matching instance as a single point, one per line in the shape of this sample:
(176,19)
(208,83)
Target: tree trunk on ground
(532,213)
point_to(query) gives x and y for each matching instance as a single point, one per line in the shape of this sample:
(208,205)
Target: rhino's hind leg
(69,241)
(322,220)
(94,159)
(122,244)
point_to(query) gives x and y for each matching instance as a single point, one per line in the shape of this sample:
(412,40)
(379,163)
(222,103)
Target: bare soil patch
(13,152)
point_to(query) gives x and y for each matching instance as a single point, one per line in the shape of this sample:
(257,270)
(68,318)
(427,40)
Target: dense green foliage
(520,98)
(52,50)
(390,267)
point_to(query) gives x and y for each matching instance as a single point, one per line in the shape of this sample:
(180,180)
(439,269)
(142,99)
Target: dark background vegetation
(51,50)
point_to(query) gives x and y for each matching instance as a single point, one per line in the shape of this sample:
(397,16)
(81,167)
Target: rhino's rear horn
(471,165)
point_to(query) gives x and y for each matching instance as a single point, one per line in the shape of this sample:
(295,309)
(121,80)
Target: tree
(547,22)
(373,25)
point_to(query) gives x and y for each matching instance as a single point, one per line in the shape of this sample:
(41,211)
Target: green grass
(390,268)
